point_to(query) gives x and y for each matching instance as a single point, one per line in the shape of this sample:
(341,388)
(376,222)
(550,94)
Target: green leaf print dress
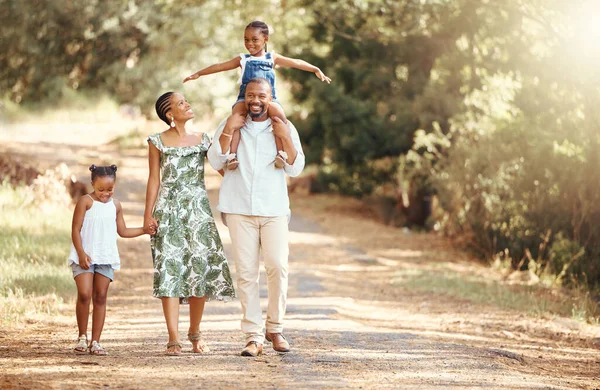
(188,255)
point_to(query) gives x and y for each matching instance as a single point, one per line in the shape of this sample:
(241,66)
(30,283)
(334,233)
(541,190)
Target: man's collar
(249,120)
(258,125)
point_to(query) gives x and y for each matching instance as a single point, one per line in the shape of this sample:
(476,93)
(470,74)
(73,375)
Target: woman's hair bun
(93,167)
(113,167)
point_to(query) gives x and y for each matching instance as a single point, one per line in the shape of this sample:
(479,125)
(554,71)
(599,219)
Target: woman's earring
(173,122)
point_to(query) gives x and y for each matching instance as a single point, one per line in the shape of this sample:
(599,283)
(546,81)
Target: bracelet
(226,135)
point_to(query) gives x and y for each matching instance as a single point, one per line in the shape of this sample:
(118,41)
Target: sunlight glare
(586,28)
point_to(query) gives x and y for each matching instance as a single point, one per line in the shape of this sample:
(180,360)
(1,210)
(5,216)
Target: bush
(532,198)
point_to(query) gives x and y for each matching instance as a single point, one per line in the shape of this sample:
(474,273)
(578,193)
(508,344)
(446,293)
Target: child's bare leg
(279,144)
(235,142)
(235,123)
(275,110)
(101,284)
(84,284)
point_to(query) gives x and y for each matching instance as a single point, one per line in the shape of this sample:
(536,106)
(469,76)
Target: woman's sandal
(232,162)
(174,347)
(201,347)
(97,350)
(82,345)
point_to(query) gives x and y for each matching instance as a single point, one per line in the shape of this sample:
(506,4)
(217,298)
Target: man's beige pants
(251,235)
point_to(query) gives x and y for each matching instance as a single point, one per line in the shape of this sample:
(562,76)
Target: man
(255,203)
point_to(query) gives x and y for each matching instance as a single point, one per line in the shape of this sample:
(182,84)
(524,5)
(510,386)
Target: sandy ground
(350,325)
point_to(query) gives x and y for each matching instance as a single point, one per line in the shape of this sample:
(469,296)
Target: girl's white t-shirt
(99,235)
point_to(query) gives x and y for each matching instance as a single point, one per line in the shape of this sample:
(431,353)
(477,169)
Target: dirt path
(349,324)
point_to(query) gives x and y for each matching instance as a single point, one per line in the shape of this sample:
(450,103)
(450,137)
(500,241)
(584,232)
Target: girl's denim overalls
(260,68)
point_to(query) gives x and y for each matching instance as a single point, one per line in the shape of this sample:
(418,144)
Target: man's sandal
(97,350)
(82,345)
(232,162)
(174,347)
(201,346)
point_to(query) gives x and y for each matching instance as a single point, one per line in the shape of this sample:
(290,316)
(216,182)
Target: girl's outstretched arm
(122,229)
(216,68)
(300,64)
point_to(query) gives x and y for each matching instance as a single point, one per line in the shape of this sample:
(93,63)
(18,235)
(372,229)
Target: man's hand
(280,129)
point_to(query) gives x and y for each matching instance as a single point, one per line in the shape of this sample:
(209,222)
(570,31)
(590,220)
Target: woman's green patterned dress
(188,255)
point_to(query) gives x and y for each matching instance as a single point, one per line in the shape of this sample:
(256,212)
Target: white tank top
(99,235)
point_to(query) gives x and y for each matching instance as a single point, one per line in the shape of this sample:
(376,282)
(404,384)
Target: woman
(189,261)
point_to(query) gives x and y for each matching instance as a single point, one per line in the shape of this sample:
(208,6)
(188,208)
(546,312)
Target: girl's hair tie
(102,171)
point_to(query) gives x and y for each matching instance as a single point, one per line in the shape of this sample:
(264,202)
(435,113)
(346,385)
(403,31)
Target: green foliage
(564,254)
(378,72)
(134,50)
(516,173)
(47,44)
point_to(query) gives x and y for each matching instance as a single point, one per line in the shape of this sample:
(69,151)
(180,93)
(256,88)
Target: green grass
(534,300)
(34,246)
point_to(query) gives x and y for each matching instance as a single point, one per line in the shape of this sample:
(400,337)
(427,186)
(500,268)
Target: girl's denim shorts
(102,269)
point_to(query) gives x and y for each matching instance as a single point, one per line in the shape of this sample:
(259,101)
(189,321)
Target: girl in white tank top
(97,219)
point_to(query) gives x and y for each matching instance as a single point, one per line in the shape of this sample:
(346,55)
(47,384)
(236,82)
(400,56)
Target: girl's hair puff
(163,105)
(102,171)
(264,28)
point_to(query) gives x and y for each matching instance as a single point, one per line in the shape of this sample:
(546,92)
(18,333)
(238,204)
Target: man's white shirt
(256,187)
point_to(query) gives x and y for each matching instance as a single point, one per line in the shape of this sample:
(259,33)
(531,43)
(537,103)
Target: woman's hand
(150,226)
(322,76)
(191,77)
